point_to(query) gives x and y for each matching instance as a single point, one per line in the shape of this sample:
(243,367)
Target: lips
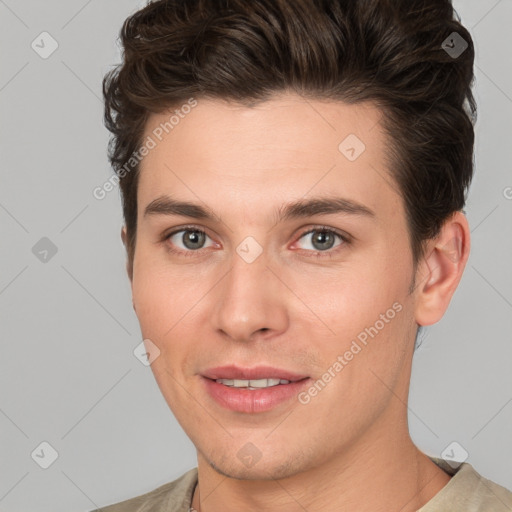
(252,399)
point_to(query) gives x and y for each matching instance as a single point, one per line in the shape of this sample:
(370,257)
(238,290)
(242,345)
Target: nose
(250,302)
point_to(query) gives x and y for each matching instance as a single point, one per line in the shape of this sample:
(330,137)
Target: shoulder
(173,496)
(468,490)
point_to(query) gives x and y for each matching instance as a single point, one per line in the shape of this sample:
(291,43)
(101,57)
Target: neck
(377,473)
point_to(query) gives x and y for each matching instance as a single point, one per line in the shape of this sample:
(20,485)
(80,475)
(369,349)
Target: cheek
(365,312)
(350,296)
(167,304)
(158,300)
(159,313)
(150,299)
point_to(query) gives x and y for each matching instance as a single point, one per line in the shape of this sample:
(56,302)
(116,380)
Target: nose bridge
(248,270)
(249,298)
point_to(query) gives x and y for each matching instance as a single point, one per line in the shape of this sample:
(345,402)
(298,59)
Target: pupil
(195,238)
(322,237)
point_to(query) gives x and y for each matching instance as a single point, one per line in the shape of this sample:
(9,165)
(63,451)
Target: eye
(191,239)
(323,240)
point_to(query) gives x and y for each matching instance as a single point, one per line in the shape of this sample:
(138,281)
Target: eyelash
(315,254)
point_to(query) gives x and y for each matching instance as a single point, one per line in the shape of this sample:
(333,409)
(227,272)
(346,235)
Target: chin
(261,470)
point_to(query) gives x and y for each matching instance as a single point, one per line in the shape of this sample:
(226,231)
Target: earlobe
(441,269)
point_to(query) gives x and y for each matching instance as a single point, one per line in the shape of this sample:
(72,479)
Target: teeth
(253,383)
(263,383)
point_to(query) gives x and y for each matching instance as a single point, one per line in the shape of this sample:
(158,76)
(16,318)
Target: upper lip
(255,373)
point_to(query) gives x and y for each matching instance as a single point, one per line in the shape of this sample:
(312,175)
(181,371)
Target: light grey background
(68,375)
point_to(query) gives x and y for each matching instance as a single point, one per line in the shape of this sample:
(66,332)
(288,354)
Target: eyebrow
(166,205)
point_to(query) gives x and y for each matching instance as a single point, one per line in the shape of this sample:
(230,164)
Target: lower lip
(253,400)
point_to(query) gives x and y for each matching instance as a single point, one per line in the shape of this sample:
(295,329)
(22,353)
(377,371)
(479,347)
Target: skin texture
(348,448)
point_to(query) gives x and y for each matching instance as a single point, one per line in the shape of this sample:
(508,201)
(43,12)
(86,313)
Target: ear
(124,238)
(440,270)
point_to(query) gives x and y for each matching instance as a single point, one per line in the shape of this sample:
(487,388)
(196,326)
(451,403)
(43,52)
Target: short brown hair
(386,51)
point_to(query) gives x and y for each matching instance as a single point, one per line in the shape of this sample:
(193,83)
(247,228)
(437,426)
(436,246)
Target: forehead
(236,157)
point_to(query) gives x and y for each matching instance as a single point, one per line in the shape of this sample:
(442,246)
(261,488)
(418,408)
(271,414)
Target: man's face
(327,307)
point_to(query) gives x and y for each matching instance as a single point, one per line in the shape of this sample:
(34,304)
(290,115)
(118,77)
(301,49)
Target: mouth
(252,390)
(253,383)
